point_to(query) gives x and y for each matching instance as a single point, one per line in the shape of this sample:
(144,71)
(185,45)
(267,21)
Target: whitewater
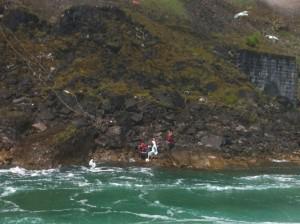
(109,194)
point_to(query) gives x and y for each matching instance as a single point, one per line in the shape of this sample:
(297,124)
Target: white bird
(273,38)
(241,14)
(92,164)
(67,92)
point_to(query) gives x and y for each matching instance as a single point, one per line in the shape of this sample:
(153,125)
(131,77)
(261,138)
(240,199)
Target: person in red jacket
(170,139)
(143,149)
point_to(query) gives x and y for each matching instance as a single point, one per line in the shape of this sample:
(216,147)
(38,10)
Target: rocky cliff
(92,80)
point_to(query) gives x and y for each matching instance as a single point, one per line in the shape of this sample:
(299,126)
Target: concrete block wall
(275,74)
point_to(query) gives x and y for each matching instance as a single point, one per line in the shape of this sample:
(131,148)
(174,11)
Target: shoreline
(177,159)
(200,160)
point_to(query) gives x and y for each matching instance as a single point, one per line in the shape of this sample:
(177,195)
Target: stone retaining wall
(275,74)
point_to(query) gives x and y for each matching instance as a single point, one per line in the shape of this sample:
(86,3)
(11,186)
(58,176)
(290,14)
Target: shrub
(253,40)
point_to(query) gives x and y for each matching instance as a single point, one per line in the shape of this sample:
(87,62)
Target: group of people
(148,151)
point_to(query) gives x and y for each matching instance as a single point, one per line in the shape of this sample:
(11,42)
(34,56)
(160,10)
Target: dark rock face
(55,147)
(76,149)
(14,125)
(275,74)
(111,138)
(19,17)
(170,99)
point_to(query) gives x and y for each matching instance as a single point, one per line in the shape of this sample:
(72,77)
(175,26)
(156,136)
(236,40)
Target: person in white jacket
(153,151)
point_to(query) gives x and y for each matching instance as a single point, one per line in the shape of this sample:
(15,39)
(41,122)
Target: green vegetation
(243,3)
(166,7)
(253,40)
(64,135)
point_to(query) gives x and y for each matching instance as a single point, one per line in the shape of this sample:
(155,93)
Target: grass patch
(253,40)
(243,3)
(64,135)
(166,7)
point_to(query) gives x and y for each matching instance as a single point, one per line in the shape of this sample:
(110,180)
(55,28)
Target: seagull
(273,38)
(67,92)
(241,14)
(92,164)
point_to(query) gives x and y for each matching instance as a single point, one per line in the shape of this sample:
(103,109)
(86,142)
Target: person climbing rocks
(153,151)
(170,140)
(143,149)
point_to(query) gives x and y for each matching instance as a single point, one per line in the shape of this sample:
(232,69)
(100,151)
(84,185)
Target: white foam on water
(18,170)
(22,220)
(23,172)
(126,178)
(75,180)
(170,213)
(92,189)
(271,177)
(99,182)
(125,184)
(59,210)
(83,183)
(221,220)
(149,216)
(84,202)
(179,181)
(142,170)
(210,187)
(37,173)
(103,169)
(9,207)
(8,191)
(70,175)
(72,197)
(119,202)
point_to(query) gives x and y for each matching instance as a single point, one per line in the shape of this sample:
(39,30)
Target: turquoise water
(145,195)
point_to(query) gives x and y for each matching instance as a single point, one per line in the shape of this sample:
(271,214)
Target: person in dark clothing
(170,139)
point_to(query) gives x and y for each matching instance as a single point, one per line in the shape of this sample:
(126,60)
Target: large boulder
(64,145)
(110,139)
(212,141)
